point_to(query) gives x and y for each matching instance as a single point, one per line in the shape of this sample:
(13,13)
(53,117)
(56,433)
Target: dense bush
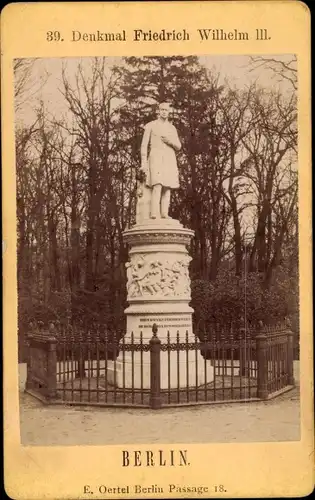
(84,309)
(231,299)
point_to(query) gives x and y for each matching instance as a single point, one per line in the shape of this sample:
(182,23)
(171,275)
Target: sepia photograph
(157,250)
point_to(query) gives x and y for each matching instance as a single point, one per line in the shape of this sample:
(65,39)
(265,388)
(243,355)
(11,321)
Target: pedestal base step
(178,370)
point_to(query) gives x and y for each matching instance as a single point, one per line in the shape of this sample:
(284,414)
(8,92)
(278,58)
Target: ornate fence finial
(154,329)
(51,328)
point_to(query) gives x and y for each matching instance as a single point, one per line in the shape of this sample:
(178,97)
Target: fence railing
(174,370)
(275,362)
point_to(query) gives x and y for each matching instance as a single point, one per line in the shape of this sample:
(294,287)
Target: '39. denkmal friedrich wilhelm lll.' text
(140,35)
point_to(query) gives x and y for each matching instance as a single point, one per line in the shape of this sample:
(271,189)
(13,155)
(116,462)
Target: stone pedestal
(158,286)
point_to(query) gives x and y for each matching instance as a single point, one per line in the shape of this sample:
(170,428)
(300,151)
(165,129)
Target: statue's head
(164,110)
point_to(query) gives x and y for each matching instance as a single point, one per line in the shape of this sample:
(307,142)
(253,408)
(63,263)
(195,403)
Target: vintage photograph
(157,249)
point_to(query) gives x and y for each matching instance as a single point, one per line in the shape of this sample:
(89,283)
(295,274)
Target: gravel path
(274,420)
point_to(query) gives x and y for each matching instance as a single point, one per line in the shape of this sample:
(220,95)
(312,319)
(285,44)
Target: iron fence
(175,370)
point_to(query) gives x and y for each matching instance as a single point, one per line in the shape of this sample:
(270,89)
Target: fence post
(262,366)
(51,364)
(290,337)
(80,372)
(243,370)
(155,370)
(28,343)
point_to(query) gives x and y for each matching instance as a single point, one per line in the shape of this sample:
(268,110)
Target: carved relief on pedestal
(149,277)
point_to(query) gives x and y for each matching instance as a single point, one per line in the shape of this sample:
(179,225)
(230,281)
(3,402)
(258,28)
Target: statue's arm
(177,144)
(173,140)
(144,146)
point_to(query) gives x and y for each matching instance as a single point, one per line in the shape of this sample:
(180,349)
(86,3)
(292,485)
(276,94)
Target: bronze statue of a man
(158,161)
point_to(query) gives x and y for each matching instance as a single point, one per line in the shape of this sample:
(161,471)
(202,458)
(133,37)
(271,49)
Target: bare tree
(271,149)
(26,84)
(234,105)
(90,103)
(279,68)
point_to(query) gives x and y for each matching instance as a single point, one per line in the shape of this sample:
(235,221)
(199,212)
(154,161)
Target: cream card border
(247,470)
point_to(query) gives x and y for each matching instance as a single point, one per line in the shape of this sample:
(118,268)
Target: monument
(158,282)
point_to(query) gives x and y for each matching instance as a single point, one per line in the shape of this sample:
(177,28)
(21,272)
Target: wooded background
(76,188)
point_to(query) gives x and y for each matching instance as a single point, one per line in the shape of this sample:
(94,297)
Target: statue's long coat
(162,165)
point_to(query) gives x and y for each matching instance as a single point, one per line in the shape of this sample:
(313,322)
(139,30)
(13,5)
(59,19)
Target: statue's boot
(155,201)
(165,203)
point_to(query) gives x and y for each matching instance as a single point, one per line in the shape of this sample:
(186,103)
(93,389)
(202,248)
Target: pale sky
(235,68)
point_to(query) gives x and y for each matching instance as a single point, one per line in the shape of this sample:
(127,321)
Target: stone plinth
(158,286)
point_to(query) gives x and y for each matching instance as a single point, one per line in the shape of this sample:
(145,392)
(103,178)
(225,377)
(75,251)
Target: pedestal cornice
(151,232)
